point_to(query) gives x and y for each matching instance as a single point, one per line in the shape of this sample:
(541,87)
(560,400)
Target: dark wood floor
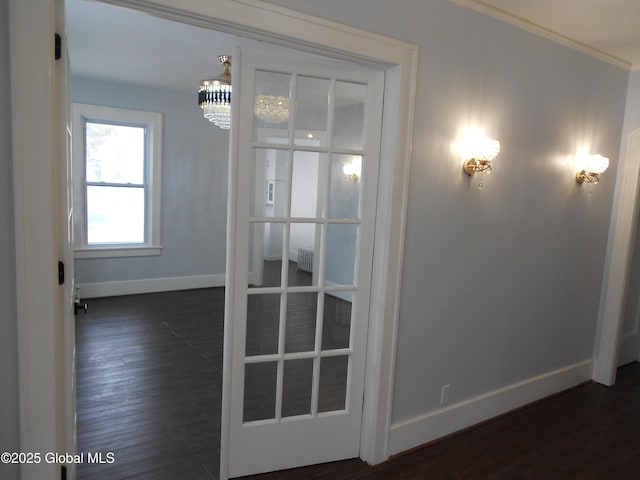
(149,390)
(149,385)
(590,432)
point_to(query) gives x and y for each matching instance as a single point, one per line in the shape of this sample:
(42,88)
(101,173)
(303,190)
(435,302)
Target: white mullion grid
(271,146)
(338,352)
(279,356)
(341,288)
(293,91)
(264,290)
(343,221)
(297,289)
(284,282)
(347,393)
(274,357)
(315,382)
(315,388)
(309,148)
(285,256)
(284,279)
(284,268)
(111,184)
(302,289)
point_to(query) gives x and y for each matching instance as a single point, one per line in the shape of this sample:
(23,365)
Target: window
(117,163)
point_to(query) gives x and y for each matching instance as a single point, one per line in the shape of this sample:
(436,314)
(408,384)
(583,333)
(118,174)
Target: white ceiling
(124,45)
(609,29)
(109,42)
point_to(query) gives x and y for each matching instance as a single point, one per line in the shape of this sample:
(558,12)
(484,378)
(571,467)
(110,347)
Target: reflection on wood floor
(149,376)
(149,379)
(263,320)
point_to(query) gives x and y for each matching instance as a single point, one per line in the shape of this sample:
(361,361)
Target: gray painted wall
(9,406)
(194,186)
(631,337)
(501,283)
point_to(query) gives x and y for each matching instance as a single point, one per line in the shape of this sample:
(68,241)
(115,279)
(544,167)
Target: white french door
(303,211)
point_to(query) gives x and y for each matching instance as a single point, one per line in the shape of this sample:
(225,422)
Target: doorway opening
(149,349)
(48,426)
(128,284)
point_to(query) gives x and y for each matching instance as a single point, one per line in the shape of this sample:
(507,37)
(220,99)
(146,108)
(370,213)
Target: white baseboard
(629,350)
(342,295)
(149,285)
(411,433)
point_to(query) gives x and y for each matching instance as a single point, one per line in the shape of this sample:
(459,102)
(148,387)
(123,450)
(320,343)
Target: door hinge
(60,273)
(58,47)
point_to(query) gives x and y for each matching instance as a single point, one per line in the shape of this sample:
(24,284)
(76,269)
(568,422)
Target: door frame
(35,153)
(43,307)
(622,230)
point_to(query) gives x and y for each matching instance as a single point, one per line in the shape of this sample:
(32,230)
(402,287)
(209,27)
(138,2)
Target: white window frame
(152,122)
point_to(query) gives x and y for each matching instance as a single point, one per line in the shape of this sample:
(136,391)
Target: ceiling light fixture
(214,96)
(271,108)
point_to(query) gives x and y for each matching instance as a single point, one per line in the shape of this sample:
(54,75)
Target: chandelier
(214,96)
(271,109)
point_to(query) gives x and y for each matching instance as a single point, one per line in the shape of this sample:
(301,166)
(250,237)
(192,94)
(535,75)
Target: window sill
(115,252)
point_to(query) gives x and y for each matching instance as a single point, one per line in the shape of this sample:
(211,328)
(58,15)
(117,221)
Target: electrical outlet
(444,394)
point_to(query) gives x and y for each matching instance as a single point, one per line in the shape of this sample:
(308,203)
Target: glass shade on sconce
(271,108)
(477,151)
(214,96)
(353,169)
(590,168)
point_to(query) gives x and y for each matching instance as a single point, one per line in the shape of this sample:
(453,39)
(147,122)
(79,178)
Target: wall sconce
(477,151)
(353,169)
(590,168)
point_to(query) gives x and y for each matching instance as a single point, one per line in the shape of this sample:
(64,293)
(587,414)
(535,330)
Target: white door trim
(263,21)
(38,163)
(31,49)
(617,260)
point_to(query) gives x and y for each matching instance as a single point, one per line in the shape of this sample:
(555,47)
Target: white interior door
(303,207)
(66,291)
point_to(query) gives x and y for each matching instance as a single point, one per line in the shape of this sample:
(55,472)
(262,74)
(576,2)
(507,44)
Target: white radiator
(305,260)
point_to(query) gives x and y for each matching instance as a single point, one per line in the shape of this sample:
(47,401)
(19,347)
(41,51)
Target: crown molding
(478,6)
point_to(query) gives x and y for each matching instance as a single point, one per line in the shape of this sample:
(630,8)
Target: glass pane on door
(346,186)
(263,324)
(271,107)
(333,383)
(312,108)
(349,123)
(300,334)
(307,165)
(342,242)
(297,387)
(304,248)
(260,391)
(266,240)
(306,184)
(304,223)
(336,323)
(269,192)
